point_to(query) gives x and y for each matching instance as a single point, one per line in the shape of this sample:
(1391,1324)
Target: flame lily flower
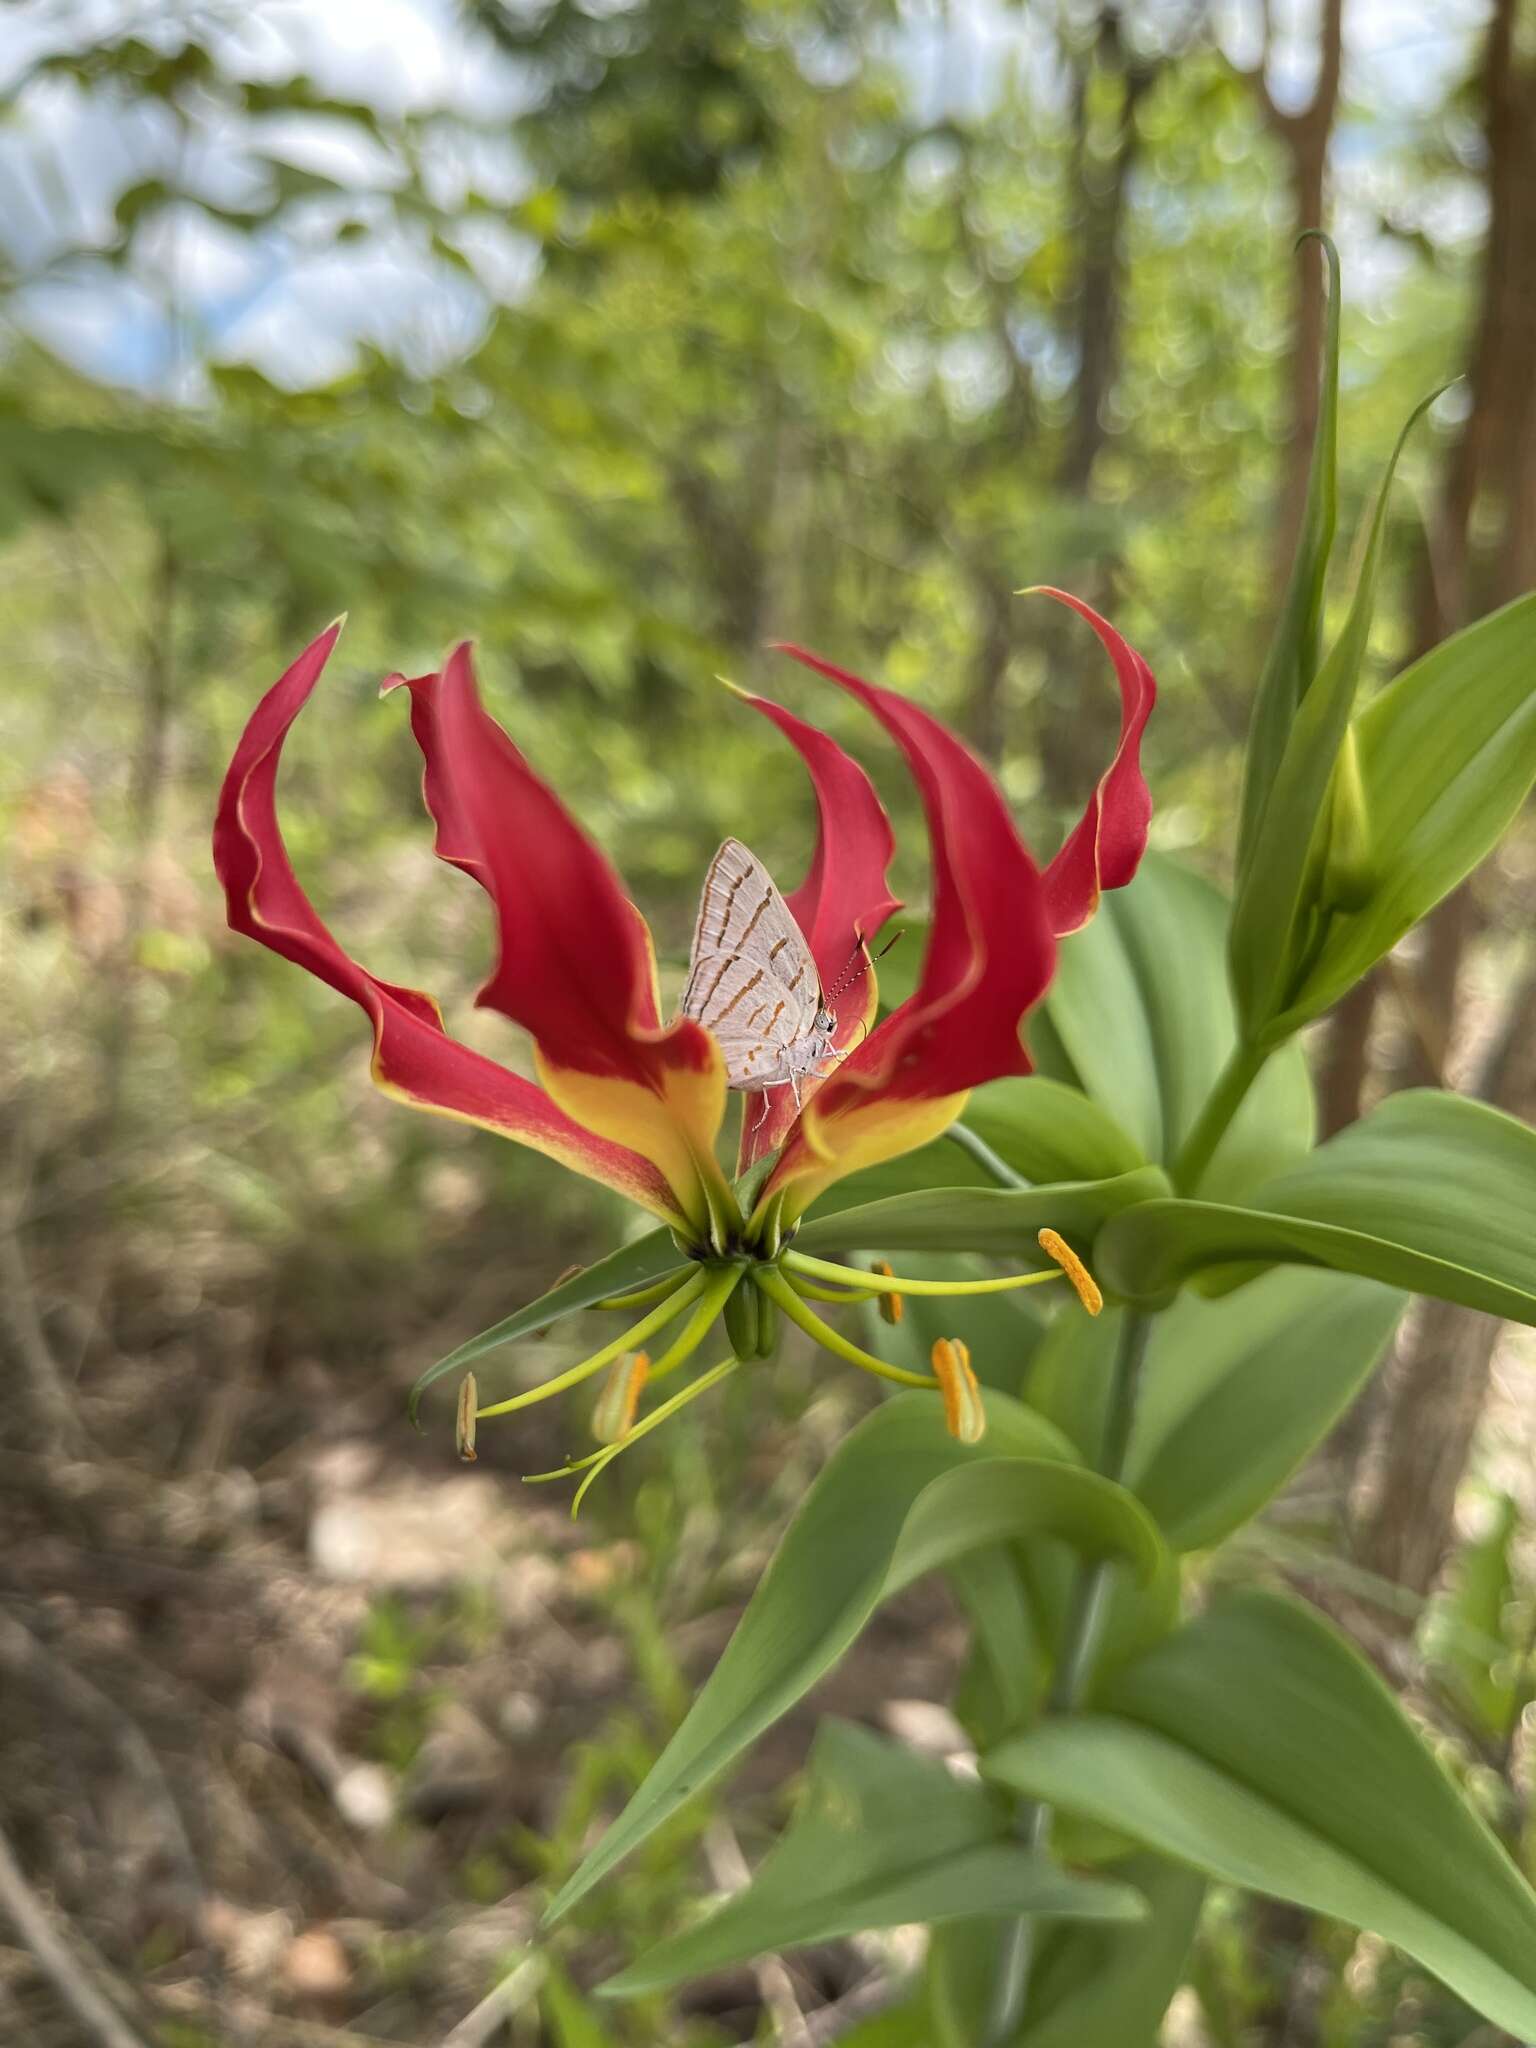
(636,1102)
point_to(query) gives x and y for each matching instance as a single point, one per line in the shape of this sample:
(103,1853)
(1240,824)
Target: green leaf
(1089,1985)
(1235,1393)
(1106,1984)
(1447,755)
(650,1258)
(1047,1131)
(571,2020)
(1142,1007)
(825,1580)
(1238,1392)
(1002,1221)
(1257,1746)
(1275,911)
(881,1838)
(1291,662)
(1429,1192)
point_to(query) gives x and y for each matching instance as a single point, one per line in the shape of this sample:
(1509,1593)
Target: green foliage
(1154,960)
(881,1838)
(1428,1192)
(1255,1745)
(834,1567)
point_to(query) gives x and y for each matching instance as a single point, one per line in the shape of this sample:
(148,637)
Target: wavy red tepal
(1104,848)
(840,906)
(413,1055)
(989,959)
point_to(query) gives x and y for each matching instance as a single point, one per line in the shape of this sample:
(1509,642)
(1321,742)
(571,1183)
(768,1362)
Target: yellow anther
(1056,1247)
(892,1307)
(965,1417)
(614,1416)
(469,1400)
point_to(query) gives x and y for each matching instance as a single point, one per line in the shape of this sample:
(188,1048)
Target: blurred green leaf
(1429,1192)
(1142,1009)
(1047,1131)
(881,1838)
(1257,1746)
(1465,1641)
(1238,1392)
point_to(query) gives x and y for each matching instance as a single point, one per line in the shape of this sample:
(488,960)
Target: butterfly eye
(825,1021)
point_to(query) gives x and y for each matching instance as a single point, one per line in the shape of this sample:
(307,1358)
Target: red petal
(843,900)
(413,1056)
(1105,847)
(574,964)
(989,960)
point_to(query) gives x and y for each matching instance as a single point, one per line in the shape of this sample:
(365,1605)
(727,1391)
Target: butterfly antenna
(859,963)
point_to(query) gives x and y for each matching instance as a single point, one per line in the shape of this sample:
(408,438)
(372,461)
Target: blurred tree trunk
(1304,133)
(1482,553)
(1104,156)
(1109,84)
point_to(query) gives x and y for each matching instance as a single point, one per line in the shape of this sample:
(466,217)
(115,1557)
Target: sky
(298,304)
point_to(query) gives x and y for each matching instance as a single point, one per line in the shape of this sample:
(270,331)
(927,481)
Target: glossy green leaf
(1002,1221)
(649,1258)
(1237,1393)
(1447,755)
(1143,1009)
(1292,659)
(1429,1192)
(881,1838)
(1256,1745)
(825,1580)
(1275,911)
(1048,1131)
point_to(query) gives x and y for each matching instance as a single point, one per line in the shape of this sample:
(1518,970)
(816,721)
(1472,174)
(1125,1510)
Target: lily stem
(1225,1100)
(1080,1640)
(994,1167)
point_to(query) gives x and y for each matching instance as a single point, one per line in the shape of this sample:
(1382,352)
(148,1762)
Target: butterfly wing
(751,979)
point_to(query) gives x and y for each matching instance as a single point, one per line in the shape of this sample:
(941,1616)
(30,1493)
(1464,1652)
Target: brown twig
(58,1959)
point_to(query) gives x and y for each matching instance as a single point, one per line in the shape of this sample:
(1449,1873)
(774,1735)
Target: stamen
(965,1416)
(718,1289)
(466,1421)
(894,1283)
(614,1416)
(779,1290)
(1055,1246)
(597,1462)
(631,1339)
(892,1307)
(570,1272)
(641,1297)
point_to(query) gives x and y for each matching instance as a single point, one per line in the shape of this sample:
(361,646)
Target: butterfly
(752,981)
